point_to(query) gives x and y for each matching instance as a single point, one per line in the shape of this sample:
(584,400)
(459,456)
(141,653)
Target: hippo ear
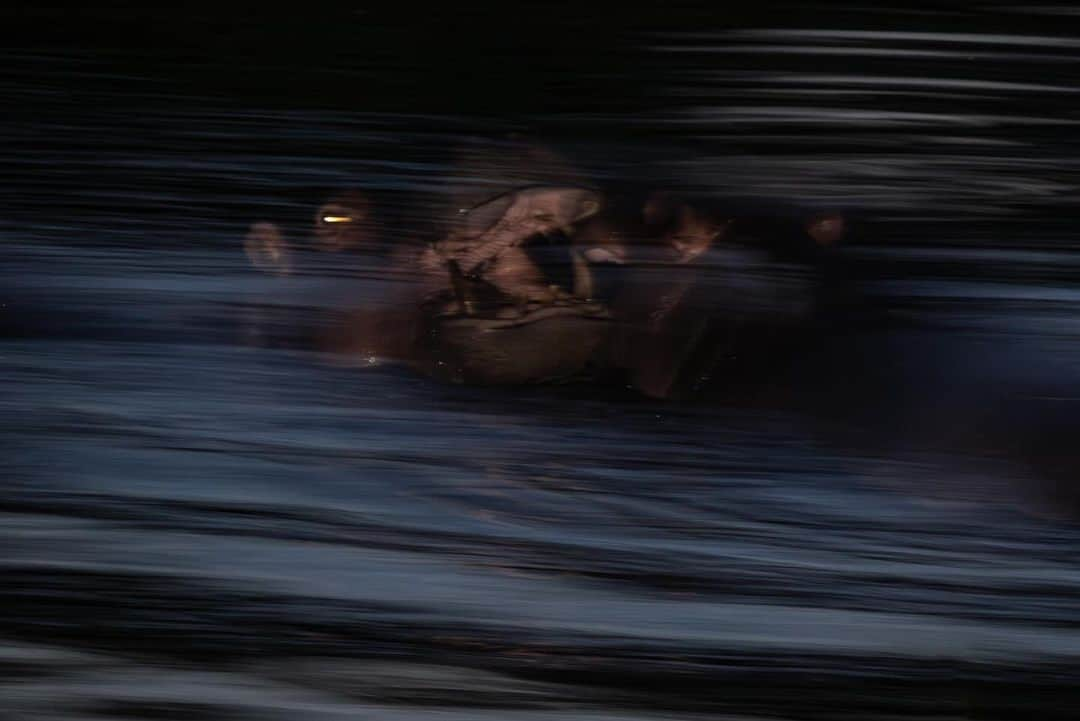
(826,229)
(481,218)
(267,248)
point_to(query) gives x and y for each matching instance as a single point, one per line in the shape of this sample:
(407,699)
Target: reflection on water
(208,513)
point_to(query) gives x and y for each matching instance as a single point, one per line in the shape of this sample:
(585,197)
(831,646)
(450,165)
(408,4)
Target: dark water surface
(205,518)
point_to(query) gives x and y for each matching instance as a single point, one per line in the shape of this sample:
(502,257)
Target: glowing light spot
(336,219)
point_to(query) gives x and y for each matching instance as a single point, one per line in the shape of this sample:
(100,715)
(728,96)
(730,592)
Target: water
(206,516)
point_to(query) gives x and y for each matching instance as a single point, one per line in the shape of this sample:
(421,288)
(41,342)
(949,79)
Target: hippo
(522,272)
(508,295)
(713,294)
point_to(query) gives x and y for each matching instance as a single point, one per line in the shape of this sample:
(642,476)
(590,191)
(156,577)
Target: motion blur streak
(208,514)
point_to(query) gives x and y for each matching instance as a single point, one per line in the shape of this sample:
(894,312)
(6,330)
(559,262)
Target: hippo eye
(543,215)
(333,214)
